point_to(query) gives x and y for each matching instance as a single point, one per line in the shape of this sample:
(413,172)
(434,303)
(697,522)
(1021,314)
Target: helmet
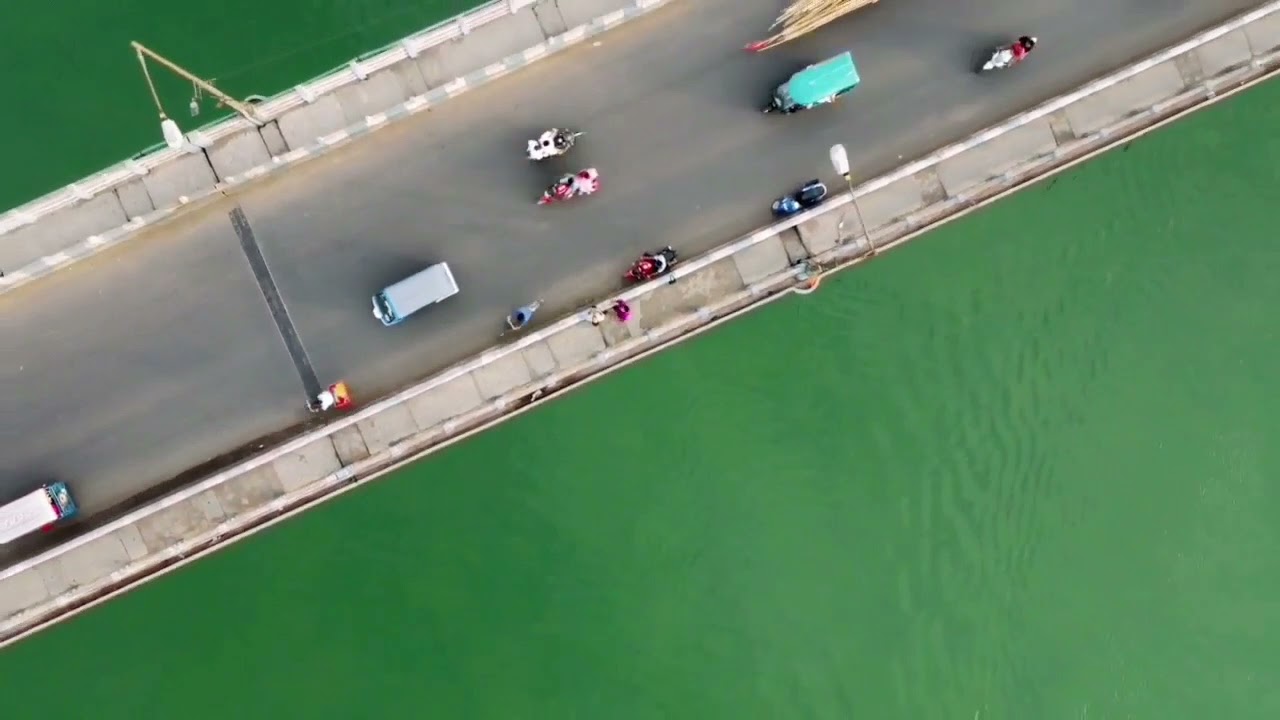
(1028,42)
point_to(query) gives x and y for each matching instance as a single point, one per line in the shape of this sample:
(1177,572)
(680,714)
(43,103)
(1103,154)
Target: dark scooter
(809,195)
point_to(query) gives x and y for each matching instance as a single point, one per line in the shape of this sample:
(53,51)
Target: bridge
(130,368)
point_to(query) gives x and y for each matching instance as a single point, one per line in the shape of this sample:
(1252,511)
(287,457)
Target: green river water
(76,97)
(1023,469)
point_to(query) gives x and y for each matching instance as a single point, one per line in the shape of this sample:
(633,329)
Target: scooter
(585,182)
(1003,58)
(809,195)
(552,143)
(652,265)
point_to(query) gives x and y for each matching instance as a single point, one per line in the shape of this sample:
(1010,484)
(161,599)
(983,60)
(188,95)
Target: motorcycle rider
(561,188)
(519,319)
(582,183)
(550,143)
(586,182)
(541,148)
(657,264)
(1023,46)
(648,267)
(651,265)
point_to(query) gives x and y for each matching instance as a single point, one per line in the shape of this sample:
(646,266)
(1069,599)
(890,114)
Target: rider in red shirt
(1022,47)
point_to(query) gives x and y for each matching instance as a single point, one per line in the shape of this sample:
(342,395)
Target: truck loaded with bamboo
(804,16)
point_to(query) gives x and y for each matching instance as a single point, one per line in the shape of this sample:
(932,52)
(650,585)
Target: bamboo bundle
(804,16)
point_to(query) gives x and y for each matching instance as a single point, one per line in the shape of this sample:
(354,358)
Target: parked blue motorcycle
(810,195)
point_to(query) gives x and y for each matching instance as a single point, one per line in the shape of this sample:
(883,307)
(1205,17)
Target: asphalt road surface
(126,370)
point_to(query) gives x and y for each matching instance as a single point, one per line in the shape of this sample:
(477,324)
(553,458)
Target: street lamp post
(840,162)
(173,136)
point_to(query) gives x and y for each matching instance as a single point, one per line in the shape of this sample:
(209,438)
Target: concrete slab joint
(134,198)
(349,446)
(1190,69)
(378,92)
(502,376)
(301,126)
(187,176)
(255,489)
(62,229)
(238,153)
(551,22)
(1227,53)
(273,139)
(540,359)
(994,157)
(22,592)
(1264,34)
(822,233)
(761,260)
(576,344)
(387,428)
(1122,100)
(307,464)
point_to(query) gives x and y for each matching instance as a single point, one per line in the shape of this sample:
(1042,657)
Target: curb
(95,244)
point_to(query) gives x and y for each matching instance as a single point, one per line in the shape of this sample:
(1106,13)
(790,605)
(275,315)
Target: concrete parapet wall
(417,73)
(790,256)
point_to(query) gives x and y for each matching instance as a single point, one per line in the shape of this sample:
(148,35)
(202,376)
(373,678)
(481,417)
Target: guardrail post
(135,167)
(198,139)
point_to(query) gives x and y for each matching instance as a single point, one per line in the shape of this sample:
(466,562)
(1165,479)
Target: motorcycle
(552,143)
(809,195)
(584,182)
(1003,58)
(652,265)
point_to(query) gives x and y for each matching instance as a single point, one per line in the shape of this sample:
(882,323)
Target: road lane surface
(129,368)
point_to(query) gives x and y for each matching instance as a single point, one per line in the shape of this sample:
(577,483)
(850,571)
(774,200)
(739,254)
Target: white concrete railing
(681,270)
(299,95)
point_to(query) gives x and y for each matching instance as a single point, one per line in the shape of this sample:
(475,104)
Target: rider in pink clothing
(1022,47)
